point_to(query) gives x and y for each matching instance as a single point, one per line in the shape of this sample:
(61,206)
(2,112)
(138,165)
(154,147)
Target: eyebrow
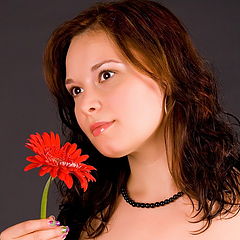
(93,68)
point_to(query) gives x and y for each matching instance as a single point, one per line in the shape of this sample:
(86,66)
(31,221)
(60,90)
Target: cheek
(138,112)
(144,114)
(79,117)
(139,104)
(139,115)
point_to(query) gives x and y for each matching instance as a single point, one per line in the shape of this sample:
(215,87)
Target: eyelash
(99,77)
(103,71)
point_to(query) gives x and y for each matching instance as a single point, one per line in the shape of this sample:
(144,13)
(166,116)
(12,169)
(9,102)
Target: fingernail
(65,229)
(64,235)
(53,223)
(57,223)
(52,217)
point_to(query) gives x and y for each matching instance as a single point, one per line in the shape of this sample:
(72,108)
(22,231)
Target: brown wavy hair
(205,156)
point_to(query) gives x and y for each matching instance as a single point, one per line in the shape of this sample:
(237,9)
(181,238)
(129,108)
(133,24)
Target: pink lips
(99,127)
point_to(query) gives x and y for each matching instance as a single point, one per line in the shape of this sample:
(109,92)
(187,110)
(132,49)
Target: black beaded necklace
(149,205)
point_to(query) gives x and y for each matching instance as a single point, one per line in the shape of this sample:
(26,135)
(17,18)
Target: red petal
(68,181)
(52,138)
(54,172)
(76,154)
(61,175)
(33,159)
(66,146)
(39,150)
(46,138)
(35,140)
(44,170)
(89,176)
(31,166)
(81,159)
(41,158)
(54,141)
(35,148)
(57,140)
(28,145)
(82,179)
(72,148)
(87,167)
(38,145)
(33,137)
(40,140)
(64,169)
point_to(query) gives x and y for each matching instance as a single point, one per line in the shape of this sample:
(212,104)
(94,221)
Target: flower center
(61,160)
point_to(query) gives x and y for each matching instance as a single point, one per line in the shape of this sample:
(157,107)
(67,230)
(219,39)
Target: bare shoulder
(232,220)
(229,224)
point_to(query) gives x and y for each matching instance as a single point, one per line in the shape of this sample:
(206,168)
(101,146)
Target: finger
(59,238)
(51,217)
(62,237)
(27,227)
(54,233)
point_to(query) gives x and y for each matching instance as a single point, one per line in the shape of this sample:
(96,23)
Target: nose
(89,104)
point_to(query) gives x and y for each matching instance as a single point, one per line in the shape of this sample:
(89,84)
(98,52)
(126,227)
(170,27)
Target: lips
(99,127)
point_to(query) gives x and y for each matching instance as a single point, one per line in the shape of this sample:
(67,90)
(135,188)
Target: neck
(150,179)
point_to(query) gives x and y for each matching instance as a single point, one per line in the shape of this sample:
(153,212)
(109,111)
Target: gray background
(26,106)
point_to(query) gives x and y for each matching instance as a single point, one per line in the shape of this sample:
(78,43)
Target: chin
(111,153)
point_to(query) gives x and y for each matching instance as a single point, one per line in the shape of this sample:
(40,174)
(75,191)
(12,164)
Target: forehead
(92,45)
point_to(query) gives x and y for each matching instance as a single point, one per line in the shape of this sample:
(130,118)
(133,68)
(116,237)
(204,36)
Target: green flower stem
(43,213)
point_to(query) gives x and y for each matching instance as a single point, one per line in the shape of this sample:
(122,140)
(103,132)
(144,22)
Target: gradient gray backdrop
(26,106)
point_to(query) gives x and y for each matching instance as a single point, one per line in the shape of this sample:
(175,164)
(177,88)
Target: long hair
(205,157)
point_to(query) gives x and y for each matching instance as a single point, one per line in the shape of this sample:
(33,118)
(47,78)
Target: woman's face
(106,88)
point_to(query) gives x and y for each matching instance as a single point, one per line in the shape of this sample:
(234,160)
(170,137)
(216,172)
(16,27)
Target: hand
(41,229)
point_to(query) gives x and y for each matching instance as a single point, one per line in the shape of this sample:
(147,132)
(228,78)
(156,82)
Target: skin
(34,229)
(132,99)
(135,103)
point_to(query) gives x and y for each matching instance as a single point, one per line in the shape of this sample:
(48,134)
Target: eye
(105,74)
(74,91)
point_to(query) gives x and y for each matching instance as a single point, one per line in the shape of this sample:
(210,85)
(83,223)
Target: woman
(167,158)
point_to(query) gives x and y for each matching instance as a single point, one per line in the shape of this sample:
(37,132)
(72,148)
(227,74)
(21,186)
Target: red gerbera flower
(58,161)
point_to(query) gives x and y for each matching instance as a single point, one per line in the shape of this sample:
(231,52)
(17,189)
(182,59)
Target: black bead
(149,205)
